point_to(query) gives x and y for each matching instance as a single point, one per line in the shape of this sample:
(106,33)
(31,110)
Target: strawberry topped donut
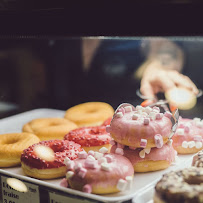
(188,136)
(143,127)
(90,138)
(44,160)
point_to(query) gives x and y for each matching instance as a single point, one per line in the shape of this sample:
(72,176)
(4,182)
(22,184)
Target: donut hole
(11,141)
(92,111)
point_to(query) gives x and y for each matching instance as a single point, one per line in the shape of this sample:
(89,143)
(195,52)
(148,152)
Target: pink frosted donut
(188,136)
(140,127)
(145,160)
(99,172)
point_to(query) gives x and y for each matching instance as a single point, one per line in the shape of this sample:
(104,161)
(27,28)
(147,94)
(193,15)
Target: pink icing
(120,168)
(188,135)
(134,130)
(165,153)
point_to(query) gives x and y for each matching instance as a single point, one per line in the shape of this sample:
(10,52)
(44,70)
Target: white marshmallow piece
(102,160)
(198,145)
(98,155)
(128,108)
(139,108)
(119,114)
(119,151)
(103,150)
(199,124)
(152,115)
(105,166)
(66,160)
(191,144)
(180,131)
(147,150)
(129,180)
(121,185)
(135,116)
(90,157)
(142,154)
(148,109)
(196,119)
(69,174)
(184,144)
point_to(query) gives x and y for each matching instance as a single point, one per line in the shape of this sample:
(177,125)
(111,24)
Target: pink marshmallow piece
(146,121)
(158,141)
(87,188)
(108,128)
(143,143)
(82,172)
(159,115)
(82,155)
(64,183)
(119,151)
(112,142)
(109,158)
(90,163)
(120,145)
(91,153)
(70,165)
(186,129)
(167,114)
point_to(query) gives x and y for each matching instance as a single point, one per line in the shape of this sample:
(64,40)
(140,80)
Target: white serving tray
(143,182)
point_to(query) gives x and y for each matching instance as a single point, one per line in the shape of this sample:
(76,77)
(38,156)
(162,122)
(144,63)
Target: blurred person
(116,68)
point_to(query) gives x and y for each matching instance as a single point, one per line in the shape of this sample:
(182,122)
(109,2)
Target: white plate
(142,181)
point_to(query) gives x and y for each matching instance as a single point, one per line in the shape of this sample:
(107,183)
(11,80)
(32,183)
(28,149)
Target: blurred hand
(157,79)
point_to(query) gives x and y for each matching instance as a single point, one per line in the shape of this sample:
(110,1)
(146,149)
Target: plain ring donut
(89,114)
(180,186)
(49,128)
(12,145)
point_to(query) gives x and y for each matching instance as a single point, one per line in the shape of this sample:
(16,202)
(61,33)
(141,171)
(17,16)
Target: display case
(45,71)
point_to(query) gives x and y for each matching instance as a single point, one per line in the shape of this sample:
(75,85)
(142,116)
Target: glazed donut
(89,114)
(140,127)
(145,160)
(198,159)
(100,173)
(49,128)
(36,167)
(90,138)
(12,145)
(182,98)
(188,136)
(180,186)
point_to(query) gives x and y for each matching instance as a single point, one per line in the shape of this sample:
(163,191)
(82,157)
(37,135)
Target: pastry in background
(12,146)
(49,128)
(188,136)
(89,114)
